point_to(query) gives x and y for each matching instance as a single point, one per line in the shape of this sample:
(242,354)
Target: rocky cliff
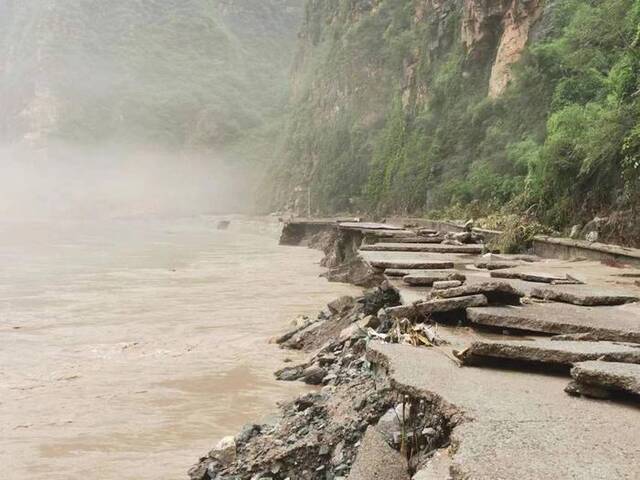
(172,73)
(411,106)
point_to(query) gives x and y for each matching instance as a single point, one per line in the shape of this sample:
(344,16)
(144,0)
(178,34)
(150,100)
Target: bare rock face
(376,460)
(482,22)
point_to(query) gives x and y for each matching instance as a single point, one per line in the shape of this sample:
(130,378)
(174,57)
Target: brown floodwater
(128,348)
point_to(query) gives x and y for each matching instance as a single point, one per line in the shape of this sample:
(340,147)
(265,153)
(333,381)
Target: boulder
(289,374)
(341,305)
(575,232)
(465,237)
(247,432)
(352,331)
(437,468)
(370,321)
(376,460)
(225,451)
(313,375)
(468,226)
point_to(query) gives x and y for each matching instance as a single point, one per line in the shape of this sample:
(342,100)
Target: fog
(66,181)
(123,108)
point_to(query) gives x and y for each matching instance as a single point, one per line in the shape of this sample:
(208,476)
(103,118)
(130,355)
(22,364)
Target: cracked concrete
(423,247)
(602,323)
(517,425)
(437,306)
(608,375)
(585,295)
(552,352)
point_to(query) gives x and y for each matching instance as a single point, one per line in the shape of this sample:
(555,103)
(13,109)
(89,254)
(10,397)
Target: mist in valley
(117,182)
(128,108)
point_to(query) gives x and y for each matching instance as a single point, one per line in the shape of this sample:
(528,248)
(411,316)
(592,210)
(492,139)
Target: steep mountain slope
(177,73)
(477,106)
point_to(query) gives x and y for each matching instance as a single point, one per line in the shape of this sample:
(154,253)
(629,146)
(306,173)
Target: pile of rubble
(355,423)
(382,410)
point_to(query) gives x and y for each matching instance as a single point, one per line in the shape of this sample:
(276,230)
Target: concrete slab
(510,257)
(475,277)
(428,278)
(437,468)
(408,239)
(376,460)
(496,292)
(423,247)
(380,234)
(585,295)
(607,375)
(444,284)
(410,265)
(403,272)
(410,257)
(532,276)
(602,323)
(551,352)
(369,226)
(514,425)
(497,265)
(437,306)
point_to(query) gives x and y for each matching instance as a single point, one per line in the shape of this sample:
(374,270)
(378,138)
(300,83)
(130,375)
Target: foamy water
(127,348)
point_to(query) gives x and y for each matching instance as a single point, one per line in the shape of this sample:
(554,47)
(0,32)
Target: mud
(129,348)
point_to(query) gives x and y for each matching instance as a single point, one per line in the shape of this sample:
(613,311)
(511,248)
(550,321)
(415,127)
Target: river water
(127,348)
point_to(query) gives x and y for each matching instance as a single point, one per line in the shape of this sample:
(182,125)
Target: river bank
(454,363)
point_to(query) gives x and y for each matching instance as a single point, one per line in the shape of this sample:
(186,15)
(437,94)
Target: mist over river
(129,347)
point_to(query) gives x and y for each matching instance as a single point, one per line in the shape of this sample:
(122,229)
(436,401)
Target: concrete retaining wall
(566,248)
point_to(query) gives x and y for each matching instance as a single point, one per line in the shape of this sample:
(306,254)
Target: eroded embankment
(340,246)
(393,390)
(356,422)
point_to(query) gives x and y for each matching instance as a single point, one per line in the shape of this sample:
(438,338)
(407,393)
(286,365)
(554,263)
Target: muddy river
(127,348)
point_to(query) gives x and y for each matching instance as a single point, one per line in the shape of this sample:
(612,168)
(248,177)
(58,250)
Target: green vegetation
(174,74)
(392,115)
